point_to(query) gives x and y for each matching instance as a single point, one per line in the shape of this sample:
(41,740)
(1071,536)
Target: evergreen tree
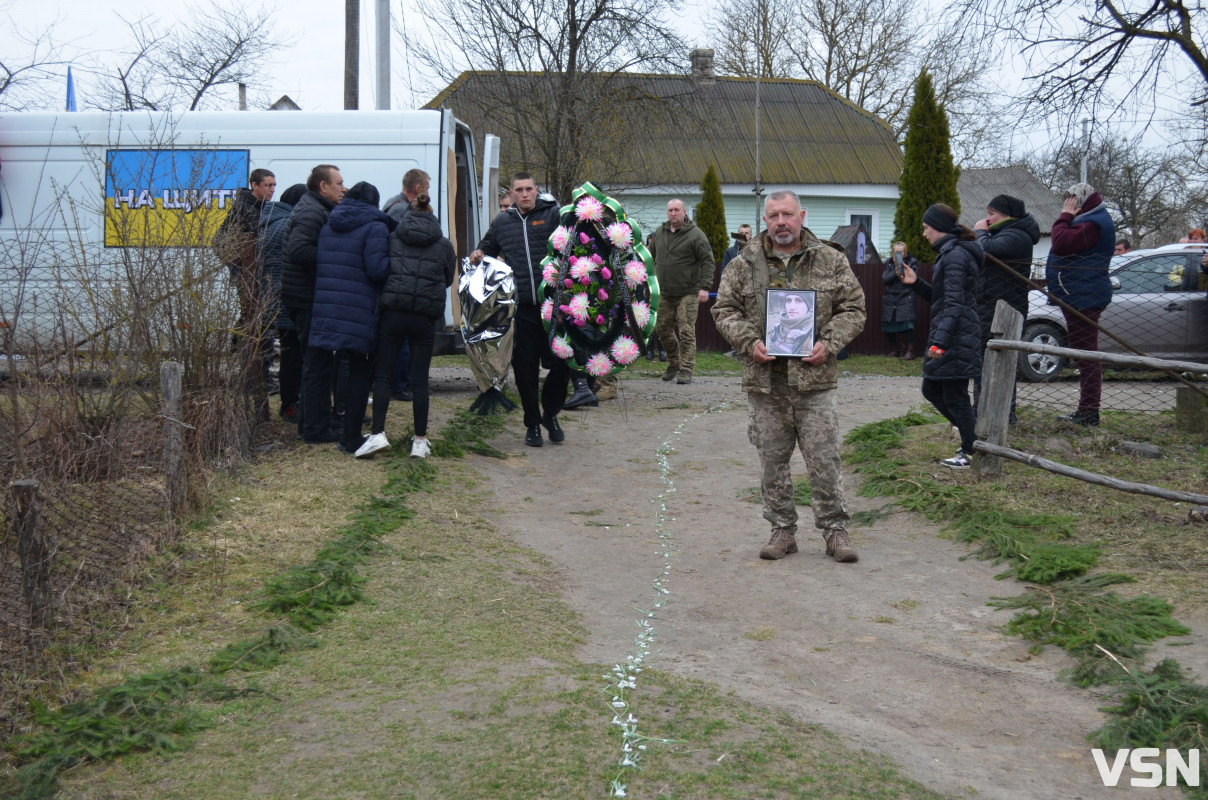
(711,214)
(928,174)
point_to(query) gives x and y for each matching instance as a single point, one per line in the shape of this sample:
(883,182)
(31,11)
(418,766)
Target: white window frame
(874,235)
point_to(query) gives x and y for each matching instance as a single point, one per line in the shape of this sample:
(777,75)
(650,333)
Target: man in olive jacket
(683,262)
(792,400)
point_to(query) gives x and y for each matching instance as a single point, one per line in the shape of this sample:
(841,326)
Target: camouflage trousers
(677,330)
(787,419)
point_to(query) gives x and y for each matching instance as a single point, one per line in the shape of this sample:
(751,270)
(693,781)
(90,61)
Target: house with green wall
(842,161)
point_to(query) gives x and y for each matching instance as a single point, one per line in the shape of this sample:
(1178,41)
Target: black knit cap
(293,194)
(939,220)
(1007,205)
(365,192)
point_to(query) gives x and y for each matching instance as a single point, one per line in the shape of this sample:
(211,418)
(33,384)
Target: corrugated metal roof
(808,134)
(977,187)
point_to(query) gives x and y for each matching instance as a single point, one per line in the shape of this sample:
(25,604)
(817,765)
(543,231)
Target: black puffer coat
(897,303)
(1010,242)
(521,241)
(954,324)
(421,267)
(302,250)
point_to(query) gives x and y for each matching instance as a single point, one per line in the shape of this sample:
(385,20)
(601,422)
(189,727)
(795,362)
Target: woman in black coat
(954,350)
(897,305)
(422,260)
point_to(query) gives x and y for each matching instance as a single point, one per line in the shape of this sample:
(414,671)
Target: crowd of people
(355,290)
(345,287)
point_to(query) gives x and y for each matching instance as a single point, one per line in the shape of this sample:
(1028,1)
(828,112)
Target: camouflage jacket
(741,310)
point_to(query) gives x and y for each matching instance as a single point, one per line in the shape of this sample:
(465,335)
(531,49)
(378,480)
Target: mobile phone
(897,259)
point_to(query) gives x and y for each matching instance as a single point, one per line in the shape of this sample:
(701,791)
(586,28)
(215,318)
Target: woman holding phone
(897,305)
(954,344)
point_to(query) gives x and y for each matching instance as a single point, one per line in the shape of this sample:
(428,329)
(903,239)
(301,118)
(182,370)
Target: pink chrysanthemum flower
(624,350)
(578,306)
(635,273)
(620,234)
(599,365)
(589,209)
(561,347)
(641,312)
(582,269)
(547,310)
(560,237)
(549,273)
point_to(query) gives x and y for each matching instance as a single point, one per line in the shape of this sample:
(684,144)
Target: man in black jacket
(519,237)
(324,188)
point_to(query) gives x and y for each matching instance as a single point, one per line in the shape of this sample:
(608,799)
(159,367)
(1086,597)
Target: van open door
(464,222)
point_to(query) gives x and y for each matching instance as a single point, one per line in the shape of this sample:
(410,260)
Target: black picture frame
(783,338)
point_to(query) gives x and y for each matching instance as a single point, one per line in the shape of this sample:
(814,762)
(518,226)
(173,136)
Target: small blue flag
(71,98)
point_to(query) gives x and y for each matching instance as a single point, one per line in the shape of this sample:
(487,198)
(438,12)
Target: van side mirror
(1115,283)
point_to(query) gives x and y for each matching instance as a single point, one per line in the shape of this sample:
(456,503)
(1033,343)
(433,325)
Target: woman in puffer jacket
(954,350)
(352,264)
(413,299)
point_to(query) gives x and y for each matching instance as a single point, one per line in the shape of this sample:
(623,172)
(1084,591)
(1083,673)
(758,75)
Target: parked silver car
(1159,305)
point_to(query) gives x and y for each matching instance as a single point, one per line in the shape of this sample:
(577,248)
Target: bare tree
(183,66)
(135,82)
(31,63)
(1091,57)
(554,67)
(868,52)
(752,38)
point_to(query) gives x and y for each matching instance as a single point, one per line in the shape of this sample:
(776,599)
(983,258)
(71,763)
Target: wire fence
(105,451)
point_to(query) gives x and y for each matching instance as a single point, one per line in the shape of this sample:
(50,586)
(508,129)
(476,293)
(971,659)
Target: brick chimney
(702,66)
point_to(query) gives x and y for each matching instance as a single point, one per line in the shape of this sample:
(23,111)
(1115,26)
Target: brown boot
(839,546)
(780,545)
(672,371)
(894,352)
(910,354)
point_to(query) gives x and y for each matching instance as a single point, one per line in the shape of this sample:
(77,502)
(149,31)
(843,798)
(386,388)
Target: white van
(91,188)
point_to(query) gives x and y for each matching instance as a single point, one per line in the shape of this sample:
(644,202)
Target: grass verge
(455,677)
(1075,602)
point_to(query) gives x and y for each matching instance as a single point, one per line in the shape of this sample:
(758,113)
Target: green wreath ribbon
(589,340)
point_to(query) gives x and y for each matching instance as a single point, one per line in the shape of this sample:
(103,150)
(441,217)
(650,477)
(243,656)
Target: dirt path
(898,653)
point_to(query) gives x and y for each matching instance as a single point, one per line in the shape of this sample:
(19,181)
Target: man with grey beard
(792,400)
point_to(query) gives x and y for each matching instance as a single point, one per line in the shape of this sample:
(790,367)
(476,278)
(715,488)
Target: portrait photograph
(790,326)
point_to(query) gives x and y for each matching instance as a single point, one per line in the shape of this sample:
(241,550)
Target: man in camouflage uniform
(792,401)
(683,261)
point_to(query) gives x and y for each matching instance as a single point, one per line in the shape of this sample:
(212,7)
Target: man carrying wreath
(792,400)
(519,237)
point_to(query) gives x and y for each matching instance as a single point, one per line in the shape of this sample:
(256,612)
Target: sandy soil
(899,653)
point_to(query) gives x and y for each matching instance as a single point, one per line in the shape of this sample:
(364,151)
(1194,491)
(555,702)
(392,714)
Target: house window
(868,217)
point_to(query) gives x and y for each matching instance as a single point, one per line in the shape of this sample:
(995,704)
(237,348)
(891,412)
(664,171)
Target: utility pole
(760,23)
(1086,145)
(383,54)
(352,53)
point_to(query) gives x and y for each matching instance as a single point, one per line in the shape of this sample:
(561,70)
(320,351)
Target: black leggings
(951,398)
(394,328)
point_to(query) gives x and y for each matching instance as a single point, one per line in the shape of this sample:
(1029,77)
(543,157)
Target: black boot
(583,395)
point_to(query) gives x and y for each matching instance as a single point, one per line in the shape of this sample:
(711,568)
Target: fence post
(34,547)
(174,442)
(998,385)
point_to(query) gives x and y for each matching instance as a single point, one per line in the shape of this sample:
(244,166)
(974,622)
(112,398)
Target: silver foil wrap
(487,292)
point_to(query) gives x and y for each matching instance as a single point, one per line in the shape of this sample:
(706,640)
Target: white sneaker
(373,444)
(420,448)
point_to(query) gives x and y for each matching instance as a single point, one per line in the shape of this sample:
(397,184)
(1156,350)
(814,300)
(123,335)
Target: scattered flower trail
(623,677)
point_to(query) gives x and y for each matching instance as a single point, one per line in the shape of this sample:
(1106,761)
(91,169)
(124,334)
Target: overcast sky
(310,69)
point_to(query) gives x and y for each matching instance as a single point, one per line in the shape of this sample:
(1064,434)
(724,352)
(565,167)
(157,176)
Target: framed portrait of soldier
(789,332)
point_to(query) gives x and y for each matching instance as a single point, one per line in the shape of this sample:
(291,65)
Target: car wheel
(1042,367)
